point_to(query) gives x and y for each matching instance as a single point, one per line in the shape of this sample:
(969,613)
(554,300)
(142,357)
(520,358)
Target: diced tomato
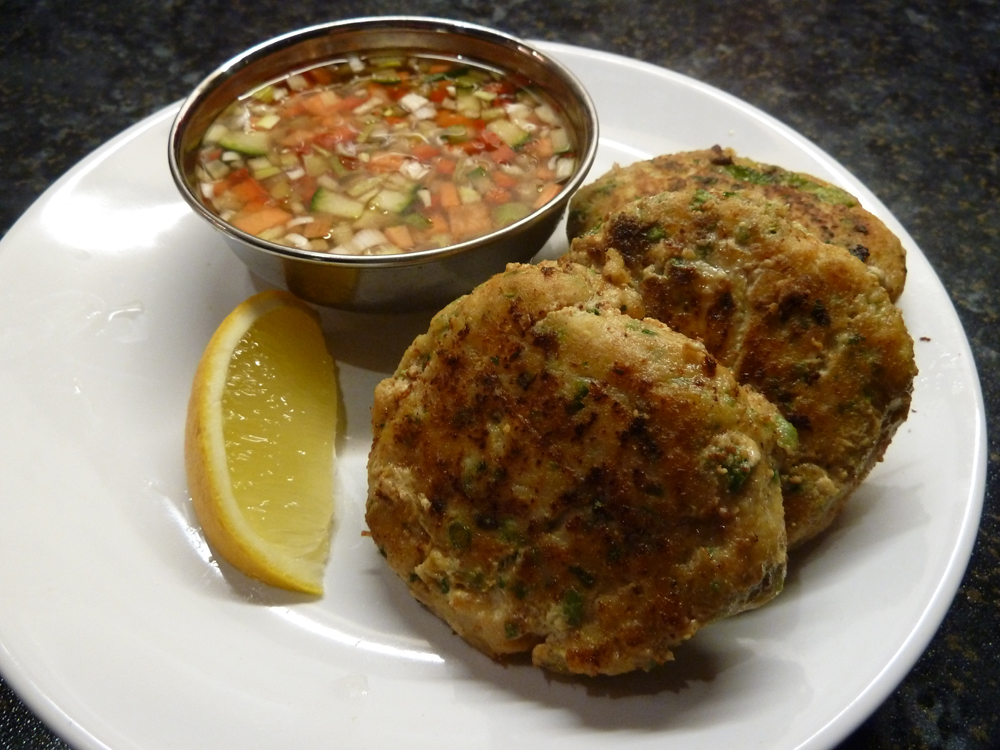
(332,121)
(496,195)
(544,173)
(322,103)
(446,118)
(439,68)
(397,92)
(298,138)
(340,134)
(318,227)
(304,188)
(386,162)
(439,224)
(541,148)
(348,162)
(438,94)
(393,120)
(399,236)
(293,107)
(249,190)
(469,220)
(320,76)
(425,151)
(548,192)
(503,179)
(255,222)
(256,205)
(352,102)
(499,87)
(503,154)
(492,139)
(444,165)
(475,146)
(448,195)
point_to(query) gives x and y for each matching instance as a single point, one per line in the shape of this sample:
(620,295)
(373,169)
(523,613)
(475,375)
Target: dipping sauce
(387,153)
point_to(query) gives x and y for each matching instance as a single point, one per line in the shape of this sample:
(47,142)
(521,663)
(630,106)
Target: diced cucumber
(392,201)
(264,94)
(480,180)
(337,204)
(264,172)
(457,133)
(511,134)
(418,221)
(386,61)
(214,133)
(365,185)
(468,105)
(338,166)
(508,213)
(560,140)
(315,164)
(268,121)
(389,77)
(254,143)
(398,181)
(217,169)
(545,113)
(468,194)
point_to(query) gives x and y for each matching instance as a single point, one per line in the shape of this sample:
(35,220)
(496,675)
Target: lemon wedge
(259,442)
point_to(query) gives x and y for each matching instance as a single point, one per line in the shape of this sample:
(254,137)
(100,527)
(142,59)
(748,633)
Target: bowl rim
(190,104)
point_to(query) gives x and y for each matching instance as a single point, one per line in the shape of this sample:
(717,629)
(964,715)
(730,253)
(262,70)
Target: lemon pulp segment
(260,441)
(279,409)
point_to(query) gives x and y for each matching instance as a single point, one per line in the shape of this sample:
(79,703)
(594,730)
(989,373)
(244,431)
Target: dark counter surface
(906,95)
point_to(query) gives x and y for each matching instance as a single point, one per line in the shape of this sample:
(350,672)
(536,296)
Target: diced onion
(372,103)
(565,168)
(413,169)
(412,102)
(367,238)
(546,114)
(297,240)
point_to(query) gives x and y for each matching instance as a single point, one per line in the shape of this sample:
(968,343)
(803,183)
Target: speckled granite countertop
(905,94)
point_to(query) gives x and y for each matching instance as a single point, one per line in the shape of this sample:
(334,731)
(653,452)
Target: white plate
(121,631)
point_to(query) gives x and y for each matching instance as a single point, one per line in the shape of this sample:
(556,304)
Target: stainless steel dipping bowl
(383,283)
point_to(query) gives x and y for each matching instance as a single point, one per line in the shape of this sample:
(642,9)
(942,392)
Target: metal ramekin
(385,283)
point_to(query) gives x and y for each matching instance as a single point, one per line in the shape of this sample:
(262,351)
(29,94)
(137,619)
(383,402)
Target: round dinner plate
(120,628)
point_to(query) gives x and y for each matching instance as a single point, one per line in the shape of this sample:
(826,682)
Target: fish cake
(801,321)
(550,475)
(829,212)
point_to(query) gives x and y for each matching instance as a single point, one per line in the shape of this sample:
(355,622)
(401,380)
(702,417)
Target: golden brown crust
(832,214)
(550,474)
(799,320)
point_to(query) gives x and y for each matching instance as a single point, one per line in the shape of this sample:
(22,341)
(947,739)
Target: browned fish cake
(799,320)
(832,214)
(551,475)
